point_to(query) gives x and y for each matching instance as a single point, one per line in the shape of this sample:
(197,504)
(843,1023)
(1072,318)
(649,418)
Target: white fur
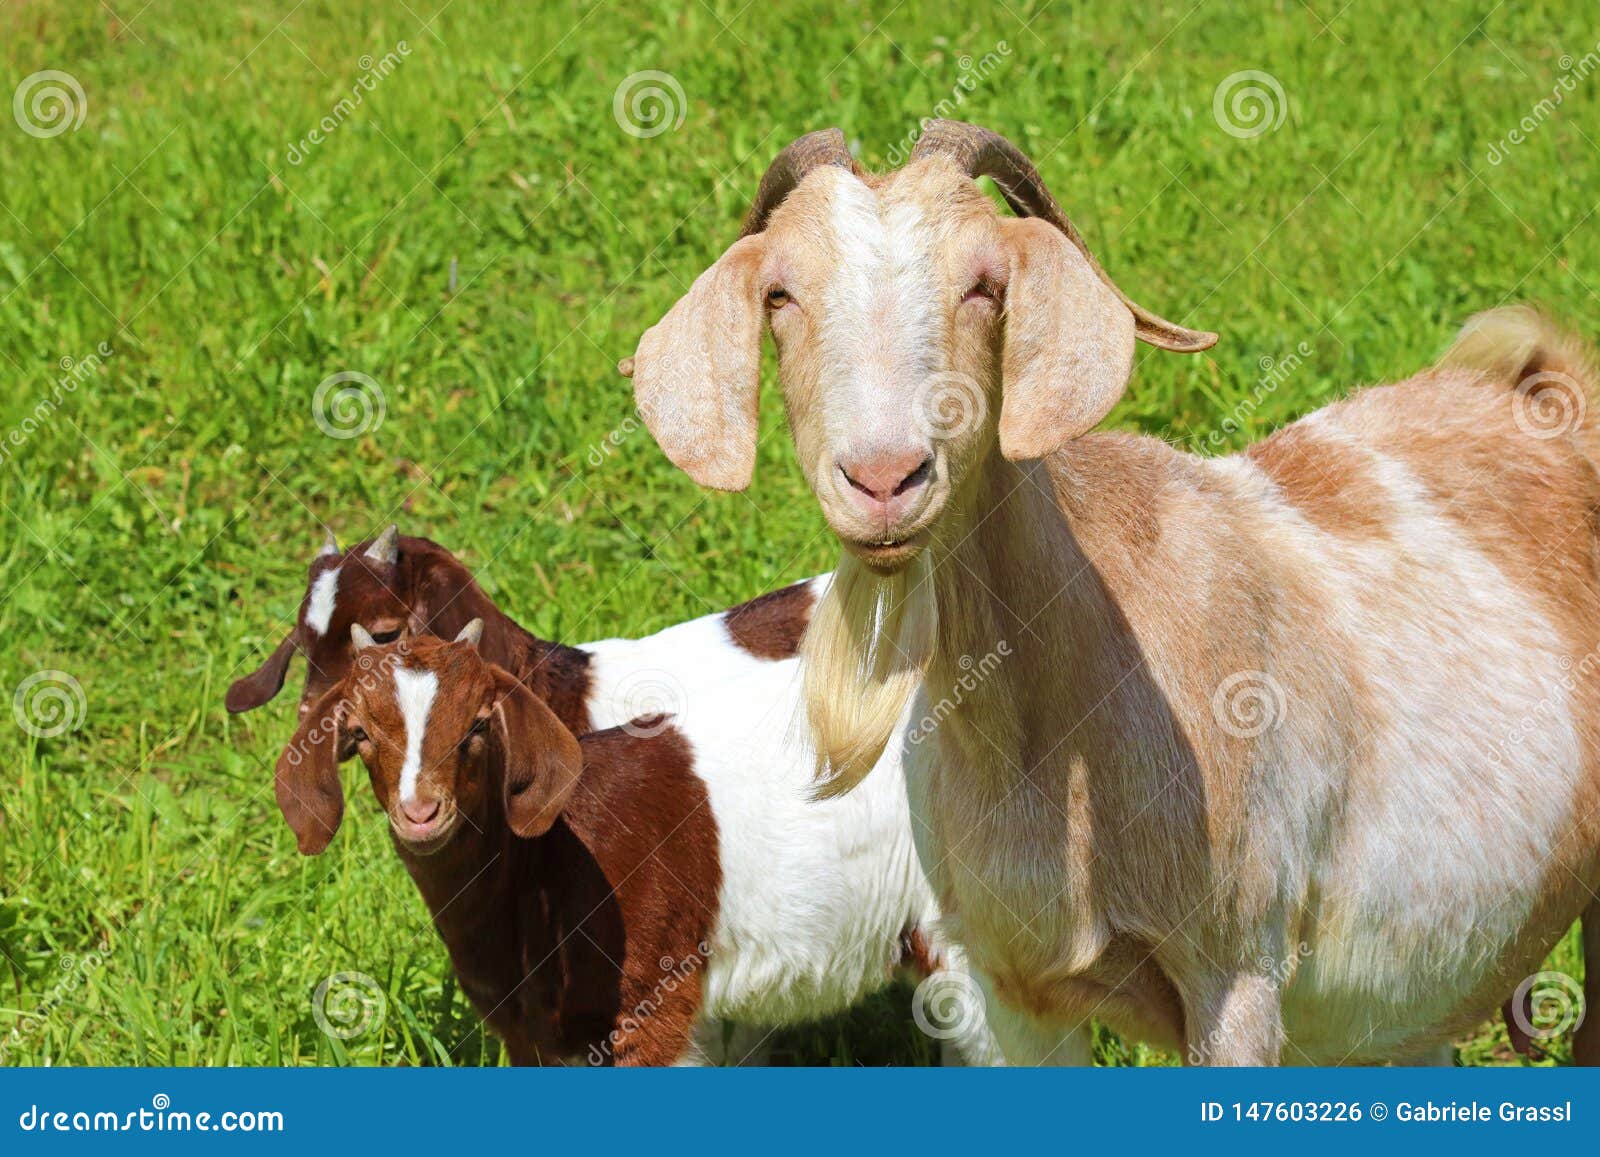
(815,895)
(319,611)
(414,690)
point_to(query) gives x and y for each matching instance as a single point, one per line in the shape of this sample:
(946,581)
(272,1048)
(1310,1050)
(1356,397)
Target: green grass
(155,525)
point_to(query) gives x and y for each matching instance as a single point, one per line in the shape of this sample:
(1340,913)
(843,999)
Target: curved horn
(985,153)
(789,168)
(330,546)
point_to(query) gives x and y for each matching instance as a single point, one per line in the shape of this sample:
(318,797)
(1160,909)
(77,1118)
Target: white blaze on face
(414,690)
(320,611)
(882,337)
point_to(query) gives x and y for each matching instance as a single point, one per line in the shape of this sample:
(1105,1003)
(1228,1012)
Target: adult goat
(1254,781)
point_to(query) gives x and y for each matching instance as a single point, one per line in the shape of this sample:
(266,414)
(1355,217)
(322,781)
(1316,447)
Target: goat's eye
(389,636)
(479,726)
(357,735)
(777,297)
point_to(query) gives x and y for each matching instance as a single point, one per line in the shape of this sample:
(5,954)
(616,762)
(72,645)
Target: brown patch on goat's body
(647,819)
(1329,489)
(772,625)
(563,942)
(918,953)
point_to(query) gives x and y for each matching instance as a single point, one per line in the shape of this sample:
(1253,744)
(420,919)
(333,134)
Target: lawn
(472,213)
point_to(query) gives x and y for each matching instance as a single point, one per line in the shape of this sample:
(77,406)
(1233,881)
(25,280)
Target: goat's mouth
(888,554)
(427,838)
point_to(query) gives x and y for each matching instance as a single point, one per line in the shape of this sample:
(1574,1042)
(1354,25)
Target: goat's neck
(1009,576)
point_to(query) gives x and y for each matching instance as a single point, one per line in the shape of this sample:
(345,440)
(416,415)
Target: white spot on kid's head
(323,591)
(414,690)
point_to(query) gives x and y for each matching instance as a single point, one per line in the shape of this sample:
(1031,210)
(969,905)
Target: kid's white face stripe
(320,613)
(414,690)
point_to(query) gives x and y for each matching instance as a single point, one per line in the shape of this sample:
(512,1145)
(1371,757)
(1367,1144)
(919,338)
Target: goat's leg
(1586,1040)
(1240,1023)
(1024,1039)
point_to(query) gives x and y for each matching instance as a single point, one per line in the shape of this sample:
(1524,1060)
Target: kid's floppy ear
(307,778)
(265,681)
(543,761)
(1068,343)
(696,370)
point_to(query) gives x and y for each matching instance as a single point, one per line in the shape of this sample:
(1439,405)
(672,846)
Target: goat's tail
(1525,349)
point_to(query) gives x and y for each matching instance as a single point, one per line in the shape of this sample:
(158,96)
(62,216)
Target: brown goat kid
(560,934)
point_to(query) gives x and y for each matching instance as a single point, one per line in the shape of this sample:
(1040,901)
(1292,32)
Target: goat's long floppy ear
(1068,343)
(695,372)
(256,688)
(307,778)
(543,761)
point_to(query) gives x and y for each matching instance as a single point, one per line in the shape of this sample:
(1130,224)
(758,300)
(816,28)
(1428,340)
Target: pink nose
(881,479)
(420,811)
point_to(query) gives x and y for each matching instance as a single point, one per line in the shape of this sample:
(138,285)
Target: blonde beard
(864,654)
